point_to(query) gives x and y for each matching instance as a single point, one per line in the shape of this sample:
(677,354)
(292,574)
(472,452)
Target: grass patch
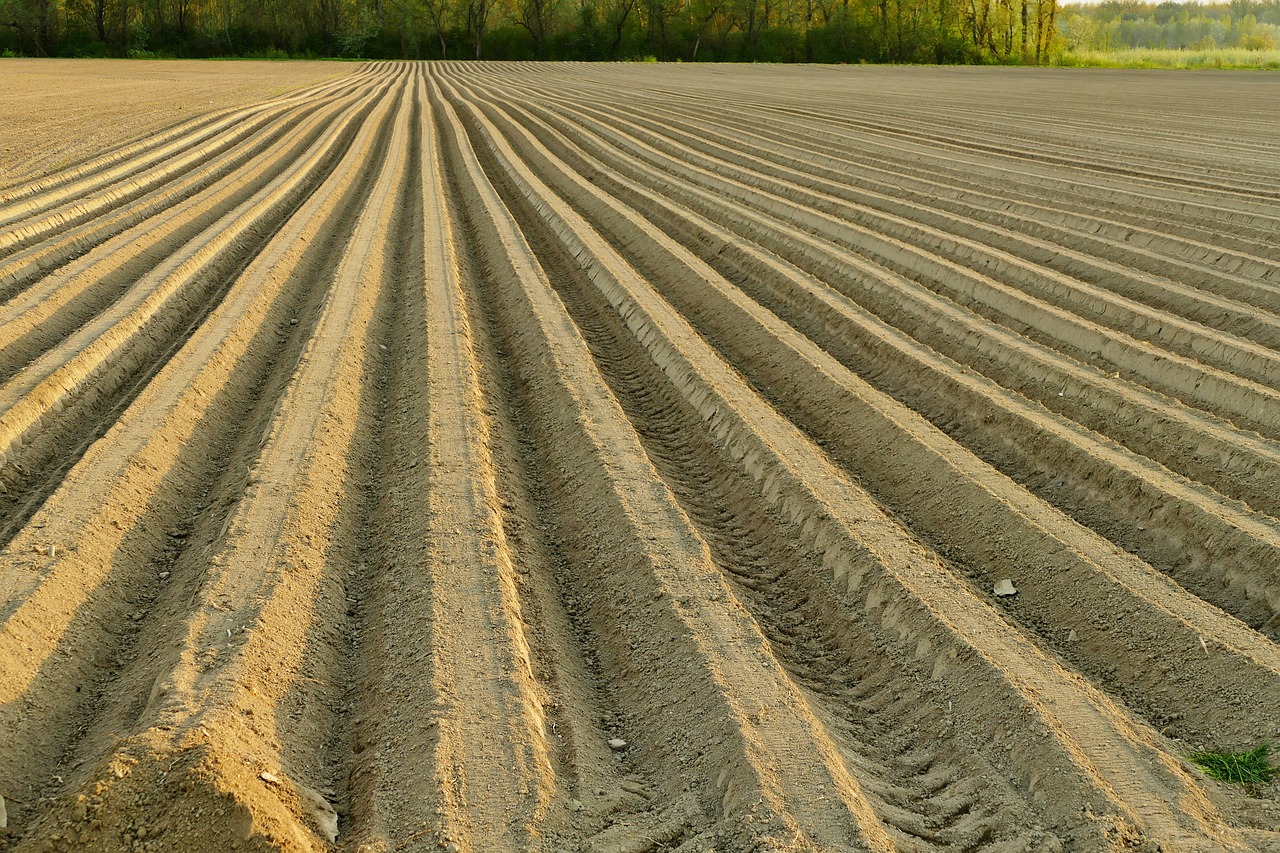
(1251,769)
(1227,58)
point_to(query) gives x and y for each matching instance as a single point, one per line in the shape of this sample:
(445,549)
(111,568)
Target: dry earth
(623,459)
(60,112)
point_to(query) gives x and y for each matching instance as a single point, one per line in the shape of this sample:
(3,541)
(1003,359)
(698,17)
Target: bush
(272,53)
(1257,40)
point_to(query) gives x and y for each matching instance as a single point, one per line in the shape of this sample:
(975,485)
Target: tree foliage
(939,31)
(1128,24)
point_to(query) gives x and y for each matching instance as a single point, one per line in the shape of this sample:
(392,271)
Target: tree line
(1120,24)
(933,31)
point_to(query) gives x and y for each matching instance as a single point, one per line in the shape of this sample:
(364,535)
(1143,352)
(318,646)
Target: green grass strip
(1251,769)
(1223,58)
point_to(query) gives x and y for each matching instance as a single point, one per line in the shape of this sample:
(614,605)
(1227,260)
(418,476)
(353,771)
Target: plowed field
(550,457)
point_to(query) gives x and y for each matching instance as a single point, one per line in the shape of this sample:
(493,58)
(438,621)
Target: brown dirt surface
(62,111)
(507,457)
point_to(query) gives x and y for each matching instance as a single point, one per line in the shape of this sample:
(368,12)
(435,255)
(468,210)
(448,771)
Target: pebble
(1005,587)
(293,322)
(617,743)
(575,805)
(164,576)
(269,777)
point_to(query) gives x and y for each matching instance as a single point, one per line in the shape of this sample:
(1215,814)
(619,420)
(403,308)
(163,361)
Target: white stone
(1005,587)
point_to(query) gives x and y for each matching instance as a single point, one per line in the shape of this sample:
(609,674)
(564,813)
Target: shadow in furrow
(27,481)
(878,719)
(124,636)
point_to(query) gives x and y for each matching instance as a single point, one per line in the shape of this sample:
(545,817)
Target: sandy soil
(62,111)
(599,458)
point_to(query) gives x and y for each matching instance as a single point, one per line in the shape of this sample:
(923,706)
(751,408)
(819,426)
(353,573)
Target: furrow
(1086,732)
(543,457)
(64,300)
(441,562)
(67,396)
(93,632)
(21,269)
(84,204)
(1007,531)
(1209,546)
(1192,217)
(964,804)
(610,798)
(1110,251)
(852,160)
(128,161)
(680,622)
(1239,464)
(1026,263)
(1149,173)
(820,122)
(914,251)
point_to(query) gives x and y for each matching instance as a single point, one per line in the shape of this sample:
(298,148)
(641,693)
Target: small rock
(4,815)
(164,576)
(617,743)
(575,805)
(451,848)
(270,778)
(1073,636)
(293,322)
(1004,588)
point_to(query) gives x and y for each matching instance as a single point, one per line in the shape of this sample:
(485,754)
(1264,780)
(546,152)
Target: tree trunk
(617,28)
(1025,21)
(884,29)
(697,42)
(100,19)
